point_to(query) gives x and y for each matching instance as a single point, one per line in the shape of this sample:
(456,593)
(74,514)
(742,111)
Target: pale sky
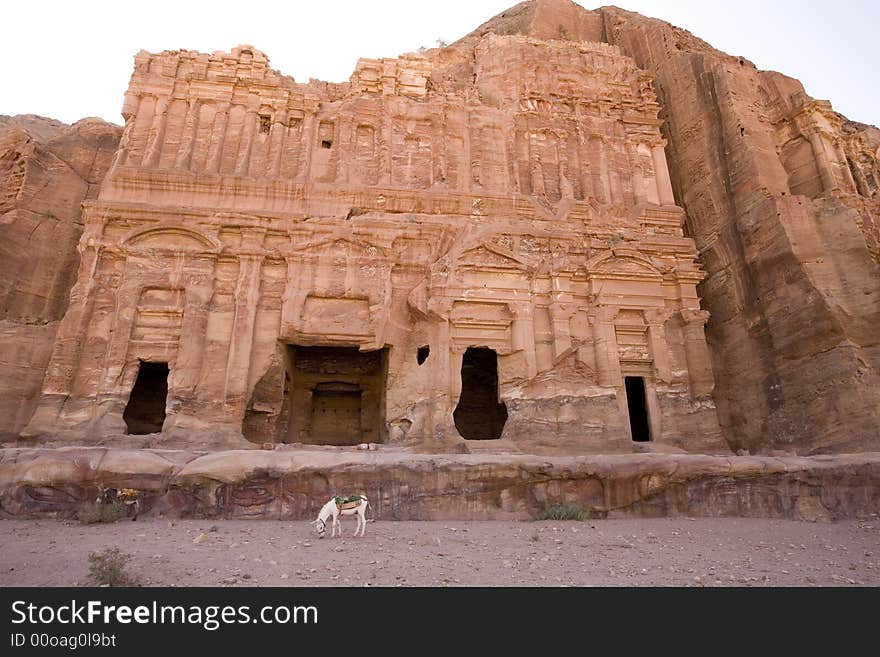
(71,59)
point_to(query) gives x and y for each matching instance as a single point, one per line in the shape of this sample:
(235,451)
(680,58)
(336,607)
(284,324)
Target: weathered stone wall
(47,169)
(789,239)
(509,191)
(293,484)
(781,199)
(525,208)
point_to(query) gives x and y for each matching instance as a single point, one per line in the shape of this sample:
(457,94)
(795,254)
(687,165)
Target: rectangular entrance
(479,414)
(637,403)
(337,395)
(145,411)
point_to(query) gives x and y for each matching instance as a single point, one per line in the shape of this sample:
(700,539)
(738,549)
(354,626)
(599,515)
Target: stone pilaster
(696,351)
(276,149)
(187,140)
(247,293)
(661,174)
(605,343)
(218,137)
(157,133)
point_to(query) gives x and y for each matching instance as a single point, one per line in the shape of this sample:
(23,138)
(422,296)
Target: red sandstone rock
(264,241)
(47,169)
(293,483)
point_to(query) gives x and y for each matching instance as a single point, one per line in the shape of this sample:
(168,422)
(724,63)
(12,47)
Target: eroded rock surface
(47,169)
(294,483)
(571,231)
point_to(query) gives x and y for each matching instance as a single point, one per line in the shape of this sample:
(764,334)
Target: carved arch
(623,262)
(171,238)
(358,247)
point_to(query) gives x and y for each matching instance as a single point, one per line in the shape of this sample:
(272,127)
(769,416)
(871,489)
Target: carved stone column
(310,124)
(536,171)
(127,297)
(697,352)
(523,335)
(560,317)
(190,126)
(193,330)
(657,340)
(129,112)
(68,341)
(817,143)
(605,342)
(849,181)
(562,307)
(247,139)
(599,166)
(218,137)
(279,128)
(661,173)
(64,362)
(157,133)
(446,382)
(637,173)
(247,292)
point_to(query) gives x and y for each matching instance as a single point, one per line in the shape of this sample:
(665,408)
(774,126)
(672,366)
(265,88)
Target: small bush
(107,568)
(94,512)
(563,512)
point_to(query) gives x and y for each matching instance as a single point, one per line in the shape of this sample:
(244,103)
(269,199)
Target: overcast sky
(71,59)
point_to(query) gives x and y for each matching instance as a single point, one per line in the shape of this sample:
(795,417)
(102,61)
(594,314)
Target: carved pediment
(170,238)
(343,247)
(625,264)
(490,257)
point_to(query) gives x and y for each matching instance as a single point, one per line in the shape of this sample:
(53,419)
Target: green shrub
(107,568)
(563,512)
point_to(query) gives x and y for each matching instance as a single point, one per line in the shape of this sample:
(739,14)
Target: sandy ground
(660,552)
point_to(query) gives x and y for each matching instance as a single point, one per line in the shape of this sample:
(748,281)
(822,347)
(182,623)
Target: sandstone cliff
(781,195)
(47,169)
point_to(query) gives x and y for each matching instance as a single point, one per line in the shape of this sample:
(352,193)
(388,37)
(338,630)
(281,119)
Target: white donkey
(356,504)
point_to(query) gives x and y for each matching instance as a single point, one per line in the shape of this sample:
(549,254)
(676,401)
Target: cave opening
(637,404)
(337,395)
(479,414)
(145,411)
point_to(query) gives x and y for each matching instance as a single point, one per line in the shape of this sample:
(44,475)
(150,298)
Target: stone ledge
(293,484)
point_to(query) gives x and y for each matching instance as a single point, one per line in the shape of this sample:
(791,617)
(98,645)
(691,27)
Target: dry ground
(659,552)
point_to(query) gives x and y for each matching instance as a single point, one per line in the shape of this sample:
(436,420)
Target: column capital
(602,314)
(695,316)
(657,316)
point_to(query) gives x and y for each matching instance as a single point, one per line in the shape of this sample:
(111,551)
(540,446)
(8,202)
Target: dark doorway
(336,411)
(422,354)
(145,411)
(637,402)
(337,395)
(479,415)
